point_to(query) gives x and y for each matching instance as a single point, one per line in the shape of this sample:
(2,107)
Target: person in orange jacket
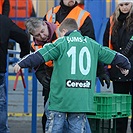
(4,7)
(44,33)
(21,9)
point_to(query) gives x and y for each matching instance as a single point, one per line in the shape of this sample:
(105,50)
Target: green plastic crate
(108,106)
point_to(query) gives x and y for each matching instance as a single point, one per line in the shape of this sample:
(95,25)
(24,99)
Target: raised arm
(29,61)
(121,61)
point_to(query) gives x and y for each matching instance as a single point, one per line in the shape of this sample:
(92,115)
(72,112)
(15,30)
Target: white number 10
(84,51)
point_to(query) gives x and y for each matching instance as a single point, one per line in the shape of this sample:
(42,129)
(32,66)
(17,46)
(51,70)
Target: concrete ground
(24,126)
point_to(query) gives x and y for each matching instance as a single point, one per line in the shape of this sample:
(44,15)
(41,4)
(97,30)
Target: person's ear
(64,31)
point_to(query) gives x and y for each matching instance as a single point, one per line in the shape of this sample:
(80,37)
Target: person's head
(69,3)
(123,12)
(68,24)
(38,28)
(125,5)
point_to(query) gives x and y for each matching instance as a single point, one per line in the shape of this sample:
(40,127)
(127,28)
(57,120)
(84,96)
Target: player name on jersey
(75,39)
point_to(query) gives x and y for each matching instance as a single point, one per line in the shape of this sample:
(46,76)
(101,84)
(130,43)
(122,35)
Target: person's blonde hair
(129,19)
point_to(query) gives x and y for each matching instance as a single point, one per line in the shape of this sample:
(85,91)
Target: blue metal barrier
(97,8)
(112,6)
(34,103)
(102,29)
(98,14)
(56,2)
(26,91)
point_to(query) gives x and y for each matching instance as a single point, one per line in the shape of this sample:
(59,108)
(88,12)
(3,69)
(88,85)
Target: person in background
(8,29)
(42,32)
(20,10)
(71,9)
(119,37)
(4,7)
(79,58)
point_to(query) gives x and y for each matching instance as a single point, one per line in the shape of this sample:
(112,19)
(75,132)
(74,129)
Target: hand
(106,78)
(46,82)
(123,71)
(16,68)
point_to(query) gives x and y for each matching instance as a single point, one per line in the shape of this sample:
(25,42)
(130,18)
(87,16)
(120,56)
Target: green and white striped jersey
(73,79)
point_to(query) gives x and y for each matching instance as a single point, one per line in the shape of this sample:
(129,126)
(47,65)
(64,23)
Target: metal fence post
(26,91)
(34,104)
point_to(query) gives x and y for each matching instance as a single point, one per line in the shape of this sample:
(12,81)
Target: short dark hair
(69,24)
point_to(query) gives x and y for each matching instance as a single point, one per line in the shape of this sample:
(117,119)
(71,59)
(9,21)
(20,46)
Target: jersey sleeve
(51,51)
(105,54)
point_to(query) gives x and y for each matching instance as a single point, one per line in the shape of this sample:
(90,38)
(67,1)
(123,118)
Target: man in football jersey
(73,79)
